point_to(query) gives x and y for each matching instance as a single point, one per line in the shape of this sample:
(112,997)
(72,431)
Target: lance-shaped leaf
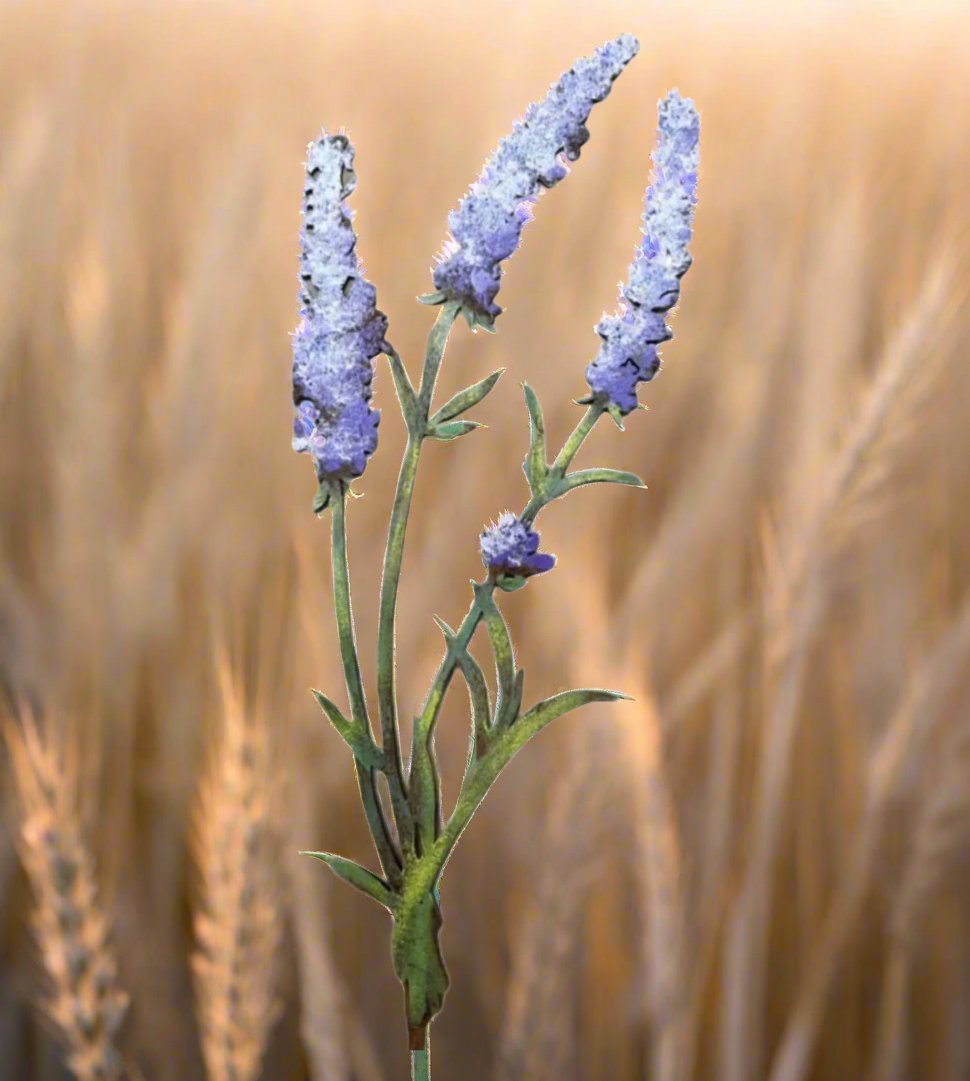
(503,746)
(359,741)
(465,399)
(477,689)
(358,877)
(501,641)
(536,467)
(582,477)
(406,393)
(452,429)
(507,709)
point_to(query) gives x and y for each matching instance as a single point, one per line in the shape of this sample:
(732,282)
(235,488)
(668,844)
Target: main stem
(421,1059)
(393,558)
(366,779)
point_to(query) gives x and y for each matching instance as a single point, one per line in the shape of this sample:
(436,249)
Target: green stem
(421,1059)
(564,459)
(366,778)
(439,685)
(393,558)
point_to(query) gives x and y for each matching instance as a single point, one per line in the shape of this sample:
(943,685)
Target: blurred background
(755,870)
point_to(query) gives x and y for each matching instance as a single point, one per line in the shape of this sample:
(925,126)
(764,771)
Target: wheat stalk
(941,833)
(901,742)
(537,1039)
(237,927)
(85,1001)
(795,602)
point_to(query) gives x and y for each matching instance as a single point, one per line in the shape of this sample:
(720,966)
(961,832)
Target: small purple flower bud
(510,547)
(486,227)
(341,330)
(628,354)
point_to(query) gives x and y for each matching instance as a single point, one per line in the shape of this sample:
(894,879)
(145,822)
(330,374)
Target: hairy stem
(439,685)
(393,558)
(366,778)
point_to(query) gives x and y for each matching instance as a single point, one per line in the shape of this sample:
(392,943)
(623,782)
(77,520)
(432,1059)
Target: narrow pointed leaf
(478,695)
(466,398)
(498,634)
(482,773)
(452,429)
(477,689)
(536,467)
(406,394)
(507,710)
(358,877)
(365,750)
(581,477)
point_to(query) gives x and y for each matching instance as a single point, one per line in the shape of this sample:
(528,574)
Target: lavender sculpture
(341,334)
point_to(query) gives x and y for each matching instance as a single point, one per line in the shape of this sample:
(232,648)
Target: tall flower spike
(341,330)
(628,354)
(486,227)
(510,547)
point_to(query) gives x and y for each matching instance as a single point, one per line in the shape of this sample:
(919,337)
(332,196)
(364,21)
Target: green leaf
(615,415)
(508,708)
(432,298)
(509,583)
(503,746)
(498,634)
(406,393)
(327,490)
(360,742)
(477,688)
(581,477)
(466,398)
(452,429)
(358,877)
(549,709)
(536,467)
(416,954)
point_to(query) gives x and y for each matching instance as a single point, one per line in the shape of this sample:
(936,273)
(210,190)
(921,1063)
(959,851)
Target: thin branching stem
(366,777)
(439,686)
(393,559)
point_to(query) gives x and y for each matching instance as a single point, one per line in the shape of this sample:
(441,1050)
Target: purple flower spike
(628,354)
(510,547)
(341,331)
(486,227)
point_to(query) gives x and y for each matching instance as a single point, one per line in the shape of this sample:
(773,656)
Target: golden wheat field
(754,870)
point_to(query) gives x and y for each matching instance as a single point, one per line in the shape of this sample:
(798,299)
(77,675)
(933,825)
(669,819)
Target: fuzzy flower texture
(486,227)
(510,547)
(628,354)
(341,331)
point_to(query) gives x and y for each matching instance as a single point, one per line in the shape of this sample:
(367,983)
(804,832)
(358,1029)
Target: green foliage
(415,852)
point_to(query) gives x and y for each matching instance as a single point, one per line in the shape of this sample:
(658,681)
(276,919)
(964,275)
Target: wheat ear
(85,1001)
(238,925)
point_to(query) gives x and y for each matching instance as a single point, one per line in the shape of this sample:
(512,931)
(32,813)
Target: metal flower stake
(335,347)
